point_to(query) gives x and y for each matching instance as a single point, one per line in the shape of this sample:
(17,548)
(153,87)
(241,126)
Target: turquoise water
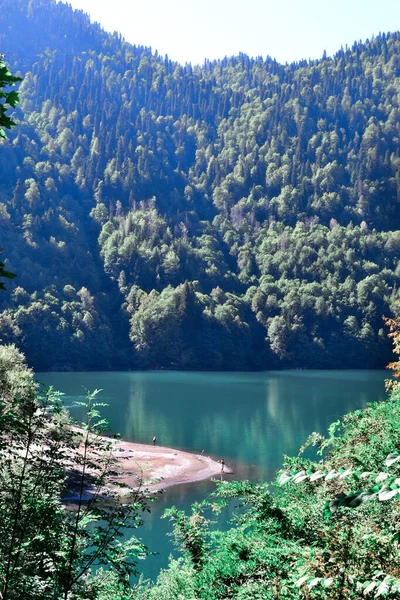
(250,419)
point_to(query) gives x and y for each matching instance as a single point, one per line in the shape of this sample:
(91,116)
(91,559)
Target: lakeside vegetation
(242,214)
(327,528)
(46,551)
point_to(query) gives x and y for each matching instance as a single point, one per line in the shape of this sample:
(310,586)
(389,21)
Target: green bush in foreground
(326,529)
(46,551)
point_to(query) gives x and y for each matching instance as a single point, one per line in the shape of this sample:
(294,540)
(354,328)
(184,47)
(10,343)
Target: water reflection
(250,419)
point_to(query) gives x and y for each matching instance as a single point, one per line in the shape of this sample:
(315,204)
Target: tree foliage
(271,191)
(46,551)
(327,528)
(8,98)
(4,273)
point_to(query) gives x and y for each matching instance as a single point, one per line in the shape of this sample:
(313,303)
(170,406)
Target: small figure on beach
(222,461)
(154,440)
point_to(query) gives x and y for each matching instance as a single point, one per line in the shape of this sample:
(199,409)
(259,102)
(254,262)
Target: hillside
(239,215)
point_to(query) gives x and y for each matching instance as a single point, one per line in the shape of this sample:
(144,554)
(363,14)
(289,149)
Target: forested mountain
(239,215)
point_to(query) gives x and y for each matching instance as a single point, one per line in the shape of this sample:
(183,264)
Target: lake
(249,419)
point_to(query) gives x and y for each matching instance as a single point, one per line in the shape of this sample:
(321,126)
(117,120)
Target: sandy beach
(151,467)
(162,467)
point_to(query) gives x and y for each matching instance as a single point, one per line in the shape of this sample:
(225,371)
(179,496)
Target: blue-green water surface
(249,419)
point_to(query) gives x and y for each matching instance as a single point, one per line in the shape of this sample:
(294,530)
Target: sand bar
(162,467)
(151,467)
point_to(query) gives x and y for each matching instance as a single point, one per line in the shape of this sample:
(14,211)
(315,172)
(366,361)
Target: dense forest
(242,214)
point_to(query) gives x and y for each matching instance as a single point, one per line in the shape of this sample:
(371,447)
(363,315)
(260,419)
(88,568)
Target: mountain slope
(239,215)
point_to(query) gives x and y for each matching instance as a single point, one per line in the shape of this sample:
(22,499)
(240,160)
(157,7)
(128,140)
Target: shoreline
(151,468)
(161,467)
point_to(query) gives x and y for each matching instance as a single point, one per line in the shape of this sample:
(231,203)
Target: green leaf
(13,99)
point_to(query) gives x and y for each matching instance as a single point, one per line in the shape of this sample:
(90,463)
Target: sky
(288,30)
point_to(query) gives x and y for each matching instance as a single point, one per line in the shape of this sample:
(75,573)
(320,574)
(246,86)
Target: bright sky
(288,30)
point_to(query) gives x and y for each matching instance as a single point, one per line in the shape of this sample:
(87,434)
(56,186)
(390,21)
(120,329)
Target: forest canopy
(239,215)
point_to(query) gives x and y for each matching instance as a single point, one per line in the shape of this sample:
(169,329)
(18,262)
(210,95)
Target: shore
(160,467)
(149,467)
